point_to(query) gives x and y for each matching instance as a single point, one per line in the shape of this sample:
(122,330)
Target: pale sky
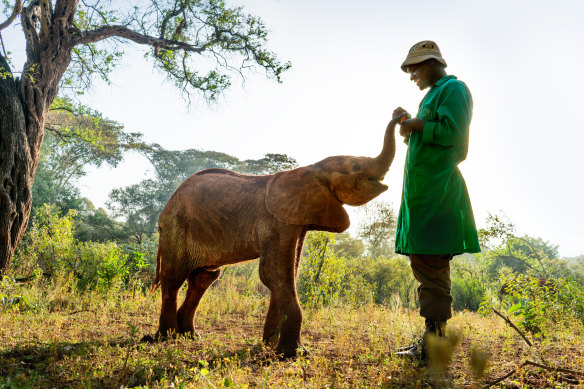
(520,60)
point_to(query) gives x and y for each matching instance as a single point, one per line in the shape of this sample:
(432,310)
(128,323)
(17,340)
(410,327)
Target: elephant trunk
(382,162)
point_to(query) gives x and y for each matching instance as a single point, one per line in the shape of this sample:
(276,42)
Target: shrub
(392,280)
(49,244)
(540,304)
(325,278)
(321,272)
(467,293)
(50,248)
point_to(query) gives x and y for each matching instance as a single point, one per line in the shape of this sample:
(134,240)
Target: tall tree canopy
(77,137)
(69,44)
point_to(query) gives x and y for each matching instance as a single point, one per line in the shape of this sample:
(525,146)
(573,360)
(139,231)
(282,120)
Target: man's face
(421,74)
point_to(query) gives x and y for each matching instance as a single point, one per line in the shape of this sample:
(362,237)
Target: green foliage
(140,205)
(541,290)
(392,280)
(97,226)
(214,29)
(270,163)
(321,272)
(347,246)
(469,283)
(77,137)
(327,278)
(49,244)
(467,293)
(196,44)
(525,255)
(51,249)
(542,303)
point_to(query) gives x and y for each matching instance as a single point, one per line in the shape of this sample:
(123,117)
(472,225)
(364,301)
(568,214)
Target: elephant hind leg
(199,281)
(168,324)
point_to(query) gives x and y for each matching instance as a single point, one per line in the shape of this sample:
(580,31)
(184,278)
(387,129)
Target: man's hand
(407,126)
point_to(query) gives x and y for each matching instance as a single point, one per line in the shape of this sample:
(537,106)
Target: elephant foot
(147,339)
(191,334)
(153,339)
(290,352)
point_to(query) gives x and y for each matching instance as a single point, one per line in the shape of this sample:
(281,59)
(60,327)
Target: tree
(521,254)
(140,205)
(378,228)
(97,226)
(76,137)
(270,163)
(70,44)
(347,246)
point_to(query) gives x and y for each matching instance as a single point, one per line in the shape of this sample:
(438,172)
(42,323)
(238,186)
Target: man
(435,220)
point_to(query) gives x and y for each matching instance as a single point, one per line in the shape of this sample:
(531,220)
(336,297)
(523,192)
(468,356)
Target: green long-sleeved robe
(436,216)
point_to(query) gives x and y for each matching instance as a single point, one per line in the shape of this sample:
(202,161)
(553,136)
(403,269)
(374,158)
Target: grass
(52,337)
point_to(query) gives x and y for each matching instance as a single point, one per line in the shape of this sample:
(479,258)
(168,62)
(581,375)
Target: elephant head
(314,195)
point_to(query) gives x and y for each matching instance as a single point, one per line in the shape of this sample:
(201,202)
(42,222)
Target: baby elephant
(218,217)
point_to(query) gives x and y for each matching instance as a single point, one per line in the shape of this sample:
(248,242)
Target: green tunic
(435,216)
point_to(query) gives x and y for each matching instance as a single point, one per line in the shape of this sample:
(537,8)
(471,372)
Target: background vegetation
(77,300)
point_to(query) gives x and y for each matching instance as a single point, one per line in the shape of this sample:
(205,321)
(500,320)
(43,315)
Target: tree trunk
(16,170)
(24,104)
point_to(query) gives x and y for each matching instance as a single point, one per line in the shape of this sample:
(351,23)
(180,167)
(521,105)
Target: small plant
(540,303)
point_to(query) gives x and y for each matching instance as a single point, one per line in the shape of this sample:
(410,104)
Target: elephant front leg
(290,324)
(284,313)
(272,322)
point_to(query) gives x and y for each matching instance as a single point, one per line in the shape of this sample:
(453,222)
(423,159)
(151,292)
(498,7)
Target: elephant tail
(156,282)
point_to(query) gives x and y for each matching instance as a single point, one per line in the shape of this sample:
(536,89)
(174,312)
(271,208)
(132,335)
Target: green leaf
(515,308)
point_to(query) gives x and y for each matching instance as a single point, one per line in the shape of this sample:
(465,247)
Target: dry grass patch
(91,340)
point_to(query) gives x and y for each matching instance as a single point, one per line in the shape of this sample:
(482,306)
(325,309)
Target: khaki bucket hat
(421,52)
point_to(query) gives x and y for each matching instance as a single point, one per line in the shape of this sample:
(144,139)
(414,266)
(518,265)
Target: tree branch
(535,252)
(527,363)
(15,13)
(28,19)
(170,15)
(124,32)
(514,327)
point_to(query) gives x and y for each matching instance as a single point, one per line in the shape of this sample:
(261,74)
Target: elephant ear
(298,197)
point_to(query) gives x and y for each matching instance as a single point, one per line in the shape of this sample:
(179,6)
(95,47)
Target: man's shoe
(416,351)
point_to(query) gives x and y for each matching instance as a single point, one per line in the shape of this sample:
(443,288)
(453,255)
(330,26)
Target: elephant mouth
(373,189)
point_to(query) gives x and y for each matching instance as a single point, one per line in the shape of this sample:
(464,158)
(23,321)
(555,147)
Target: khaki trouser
(433,273)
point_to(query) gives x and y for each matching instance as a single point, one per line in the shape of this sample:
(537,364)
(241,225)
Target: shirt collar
(443,80)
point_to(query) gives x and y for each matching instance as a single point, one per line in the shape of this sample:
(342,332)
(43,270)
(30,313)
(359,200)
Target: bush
(50,248)
(49,244)
(392,280)
(540,303)
(466,294)
(325,278)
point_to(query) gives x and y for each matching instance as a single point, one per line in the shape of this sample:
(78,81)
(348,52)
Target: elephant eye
(356,167)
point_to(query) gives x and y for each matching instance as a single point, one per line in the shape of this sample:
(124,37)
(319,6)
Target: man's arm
(454,114)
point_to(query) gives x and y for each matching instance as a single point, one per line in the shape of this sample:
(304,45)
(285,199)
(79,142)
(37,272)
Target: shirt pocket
(425,114)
